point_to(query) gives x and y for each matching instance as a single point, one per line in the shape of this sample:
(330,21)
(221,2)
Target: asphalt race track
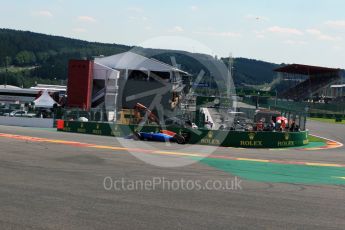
(56,185)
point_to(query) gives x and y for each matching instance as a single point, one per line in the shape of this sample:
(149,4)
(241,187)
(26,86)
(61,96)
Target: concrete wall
(27,122)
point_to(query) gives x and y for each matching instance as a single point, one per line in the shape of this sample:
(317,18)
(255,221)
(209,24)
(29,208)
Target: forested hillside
(27,57)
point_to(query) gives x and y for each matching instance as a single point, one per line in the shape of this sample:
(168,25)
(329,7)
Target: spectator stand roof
(314,80)
(306,70)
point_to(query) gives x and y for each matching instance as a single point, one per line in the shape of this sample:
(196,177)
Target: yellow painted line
(116,148)
(251,159)
(107,147)
(60,141)
(322,164)
(179,153)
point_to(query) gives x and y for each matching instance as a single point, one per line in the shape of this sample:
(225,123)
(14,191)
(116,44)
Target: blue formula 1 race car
(162,136)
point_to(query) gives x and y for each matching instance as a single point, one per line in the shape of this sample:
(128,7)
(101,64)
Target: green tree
(42,57)
(25,58)
(7,61)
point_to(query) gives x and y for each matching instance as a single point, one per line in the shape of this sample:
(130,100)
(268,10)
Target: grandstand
(315,83)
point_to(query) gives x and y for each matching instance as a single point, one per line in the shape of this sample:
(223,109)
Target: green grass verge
(312,138)
(327,120)
(279,173)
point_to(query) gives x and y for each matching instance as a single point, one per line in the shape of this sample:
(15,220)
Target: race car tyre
(136,136)
(179,139)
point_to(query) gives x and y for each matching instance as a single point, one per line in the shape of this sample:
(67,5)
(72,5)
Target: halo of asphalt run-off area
(55,186)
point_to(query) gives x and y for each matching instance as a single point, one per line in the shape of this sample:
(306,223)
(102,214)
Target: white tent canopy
(44,101)
(132,61)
